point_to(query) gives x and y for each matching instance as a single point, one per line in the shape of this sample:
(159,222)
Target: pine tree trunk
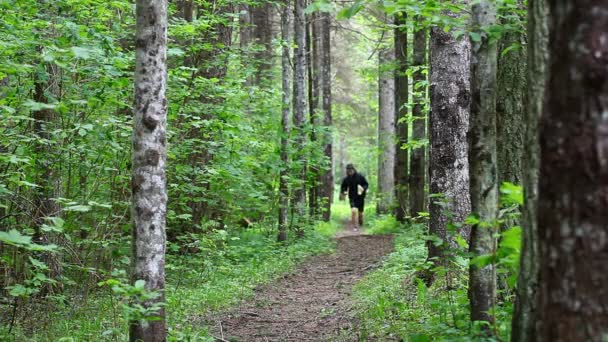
(262,35)
(299,108)
(482,163)
(525,312)
(418,156)
(401,126)
(386,130)
(149,190)
(286,75)
(326,187)
(573,182)
(448,126)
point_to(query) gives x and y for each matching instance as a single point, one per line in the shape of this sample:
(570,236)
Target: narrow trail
(310,304)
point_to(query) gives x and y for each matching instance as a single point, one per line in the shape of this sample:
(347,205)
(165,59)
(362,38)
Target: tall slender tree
(148,185)
(316,104)
(482,161)
(326,174)
(285,119)
(448,125)
(386,127)
(573,183)
(401,126)
(299,107)
(417,176)
(525,313)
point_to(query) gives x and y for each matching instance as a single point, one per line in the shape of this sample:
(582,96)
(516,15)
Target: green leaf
(475,37)
(79,208)
(351,11)
(140,284)
(15,238)
(36,106)
(81,52)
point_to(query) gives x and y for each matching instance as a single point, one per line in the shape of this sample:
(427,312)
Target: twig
(221,330)
(219,339)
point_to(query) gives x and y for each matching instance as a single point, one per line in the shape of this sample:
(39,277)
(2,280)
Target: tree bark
(262,34)
(326,174)
(386,130)
(286,86)
(316,106)
(299,108)
(149,189)
(482,163)
(448,126)
(401,126)
(525,312)
(510,106)
(418,156)
(573,183)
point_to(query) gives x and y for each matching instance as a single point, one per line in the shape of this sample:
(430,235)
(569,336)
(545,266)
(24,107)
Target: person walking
(355,185)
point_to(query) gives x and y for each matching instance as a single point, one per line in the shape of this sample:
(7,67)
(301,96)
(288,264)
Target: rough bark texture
(149,192)
(448,125)
(386,131)
(573,183)
(326,175)
(482,163)
(299,106)
(401,126)
(286,82)
(525,313)
(510,107)
(418,155)
(316,106)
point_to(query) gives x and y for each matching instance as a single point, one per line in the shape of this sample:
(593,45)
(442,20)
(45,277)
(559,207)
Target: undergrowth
(207,272)
(392,303)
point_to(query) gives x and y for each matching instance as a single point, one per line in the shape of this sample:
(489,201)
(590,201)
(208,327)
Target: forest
(303,170)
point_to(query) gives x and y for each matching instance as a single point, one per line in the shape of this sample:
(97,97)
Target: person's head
(350,169)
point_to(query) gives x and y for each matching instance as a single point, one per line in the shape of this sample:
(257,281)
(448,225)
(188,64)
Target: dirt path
(310,304)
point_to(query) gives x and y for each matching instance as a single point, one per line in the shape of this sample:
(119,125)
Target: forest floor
(312,303)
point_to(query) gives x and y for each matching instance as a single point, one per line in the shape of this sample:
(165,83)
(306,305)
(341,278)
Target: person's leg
(360,209)
(354,217)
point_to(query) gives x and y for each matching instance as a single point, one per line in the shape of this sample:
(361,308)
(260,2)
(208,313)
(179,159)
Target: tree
(386,129)
(299,107)
(262,35)
(286,89)
(401,110)
(448,125)
(482,162)
(148,185)
(511,85)
(525,312)
(573,187)
(326,175)
(418,156)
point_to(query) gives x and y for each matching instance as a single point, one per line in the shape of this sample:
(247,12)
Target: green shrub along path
(311,303)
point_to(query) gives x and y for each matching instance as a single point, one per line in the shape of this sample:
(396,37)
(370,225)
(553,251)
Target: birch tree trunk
(525,312)
(448,125)
(401,126)
(573,183)
(417,177)
(386,130)
(482,162)
(299,109)
(286,84)
(148,185)
(326,174)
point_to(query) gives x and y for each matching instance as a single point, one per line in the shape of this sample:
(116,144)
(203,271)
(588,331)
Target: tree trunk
(386,130)
(525,312)
(262,33)
(510,123)
(482,163)
(326,191)
(401,126)
(286,75)
(448,126)
(573,183)
(316,105)
(299,108)
(418,155)
(149,190)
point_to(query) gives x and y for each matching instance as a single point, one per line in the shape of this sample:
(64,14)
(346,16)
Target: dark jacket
(351,182)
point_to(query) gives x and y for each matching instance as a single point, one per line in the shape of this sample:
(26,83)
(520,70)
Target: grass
(223,270)
(392,303)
